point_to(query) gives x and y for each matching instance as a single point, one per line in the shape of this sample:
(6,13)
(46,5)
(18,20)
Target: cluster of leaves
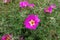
(12,18)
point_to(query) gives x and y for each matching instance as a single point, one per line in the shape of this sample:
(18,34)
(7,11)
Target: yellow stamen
(8,38)
(32,22)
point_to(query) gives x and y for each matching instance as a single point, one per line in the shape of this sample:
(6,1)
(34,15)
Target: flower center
(8,38)
(32,22)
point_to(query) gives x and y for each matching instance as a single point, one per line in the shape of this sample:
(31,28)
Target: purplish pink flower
(6,1)
(31,22)
(6,37)
(23,4)
(31,5)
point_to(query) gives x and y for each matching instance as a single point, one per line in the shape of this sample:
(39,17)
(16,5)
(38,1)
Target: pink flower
(31,22)
(23,4)
(48,10)
(6,1)
(6,37)
(31,5)
(53,6)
